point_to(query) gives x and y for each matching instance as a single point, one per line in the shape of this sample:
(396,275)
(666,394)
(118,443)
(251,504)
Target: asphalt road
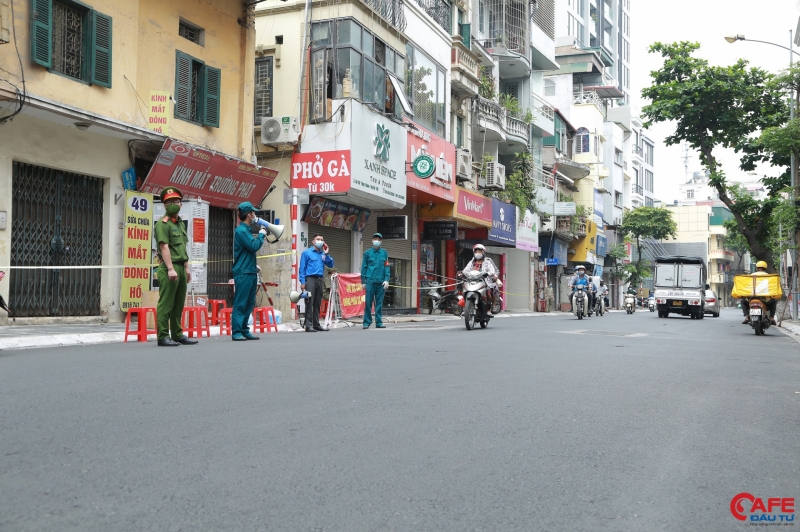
(546,423)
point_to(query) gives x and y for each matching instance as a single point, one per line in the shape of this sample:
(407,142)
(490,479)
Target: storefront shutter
(101,49)
(397,249)
(340,244)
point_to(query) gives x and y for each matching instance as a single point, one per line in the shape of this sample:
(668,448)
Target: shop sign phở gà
(321,172)
(136,252)
(200,174)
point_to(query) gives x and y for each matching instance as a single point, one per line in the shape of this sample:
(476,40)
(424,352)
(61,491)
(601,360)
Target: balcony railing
(489,110)
(517,127)
(391,10)
(542,178)
(637,150)
(440,11)
(582,97)
(542,106)
(463,59)
(638,189)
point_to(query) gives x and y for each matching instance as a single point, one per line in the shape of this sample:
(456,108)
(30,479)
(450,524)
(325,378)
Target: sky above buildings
(706,22)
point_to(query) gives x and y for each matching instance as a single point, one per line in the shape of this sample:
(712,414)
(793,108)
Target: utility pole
(793,169)
(686,161)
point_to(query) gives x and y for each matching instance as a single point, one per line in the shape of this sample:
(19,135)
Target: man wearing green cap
(375,278)
(172,273)
(245,247)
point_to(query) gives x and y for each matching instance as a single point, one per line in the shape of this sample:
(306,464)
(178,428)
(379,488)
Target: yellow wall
(145,39)
(584,244)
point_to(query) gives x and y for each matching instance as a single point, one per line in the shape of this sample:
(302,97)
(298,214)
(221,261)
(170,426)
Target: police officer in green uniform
(245,271)
(172,273)
(375,278)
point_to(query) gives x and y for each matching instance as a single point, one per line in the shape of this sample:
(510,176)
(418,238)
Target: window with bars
(192,33)
(582,140)
(263,92)
(197,91)
(72,39)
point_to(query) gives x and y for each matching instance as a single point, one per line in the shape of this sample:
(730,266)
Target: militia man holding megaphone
(245,270)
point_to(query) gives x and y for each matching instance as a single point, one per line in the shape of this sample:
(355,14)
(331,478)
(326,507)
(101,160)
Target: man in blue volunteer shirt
(375,277)
(312,268)
(245,247)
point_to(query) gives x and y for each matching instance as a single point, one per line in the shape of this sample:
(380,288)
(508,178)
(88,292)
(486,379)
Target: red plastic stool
(261,319)
(142,330)
(323,307)
(216,306)
(225,321)
(195,321)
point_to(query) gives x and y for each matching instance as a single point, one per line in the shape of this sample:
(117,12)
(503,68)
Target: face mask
(581,274)
(376,243)
(318,244)
(478,256)
(173,209)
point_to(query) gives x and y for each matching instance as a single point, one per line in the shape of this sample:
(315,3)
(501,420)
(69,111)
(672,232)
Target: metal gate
(57,220)
(220,253)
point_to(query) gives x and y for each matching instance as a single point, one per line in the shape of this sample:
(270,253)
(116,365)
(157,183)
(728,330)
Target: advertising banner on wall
(504,223)
(158,108)
(473,207)
(136,250)
(352,294)
(200,174)
(329,213)
(441,183)
(527,230)
(602,246)
(599,202)
(321,172)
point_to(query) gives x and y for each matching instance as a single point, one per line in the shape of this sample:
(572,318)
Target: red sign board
(351,294)
(322,172)
(198,173)
(474,207)
(442,182)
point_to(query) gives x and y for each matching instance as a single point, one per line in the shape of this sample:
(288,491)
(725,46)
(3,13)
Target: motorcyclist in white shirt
(580,277)
(603,292)
(480,262)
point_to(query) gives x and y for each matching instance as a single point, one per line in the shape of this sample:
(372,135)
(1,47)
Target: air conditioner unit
(463,166)
(618,221)
(495,176)
(277,130)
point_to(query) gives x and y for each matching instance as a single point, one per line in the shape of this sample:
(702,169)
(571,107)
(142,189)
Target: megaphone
(296,296)
(274,230)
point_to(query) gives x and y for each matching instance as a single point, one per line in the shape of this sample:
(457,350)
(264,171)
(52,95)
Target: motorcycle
(600,306)
(630,303)
(580,299)
(476,300)
(759,316)
(447,301)
(651,304)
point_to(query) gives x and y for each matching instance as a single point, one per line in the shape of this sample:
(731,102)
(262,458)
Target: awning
(605,91)
(199,173)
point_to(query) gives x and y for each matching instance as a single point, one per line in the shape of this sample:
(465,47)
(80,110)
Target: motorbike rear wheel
(484,324)
(580,311)
(469,315)
(758,328)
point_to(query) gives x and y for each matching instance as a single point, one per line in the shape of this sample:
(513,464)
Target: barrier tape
(114,266)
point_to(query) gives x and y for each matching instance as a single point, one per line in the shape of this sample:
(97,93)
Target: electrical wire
(23,94)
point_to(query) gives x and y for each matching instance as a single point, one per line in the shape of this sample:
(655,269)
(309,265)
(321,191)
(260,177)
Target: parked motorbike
(651,304)
(476,300)
(443,301)
(580,300)
(759,316)
(630,303)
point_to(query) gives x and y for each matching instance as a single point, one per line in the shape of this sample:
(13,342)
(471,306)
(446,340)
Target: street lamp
(793,168)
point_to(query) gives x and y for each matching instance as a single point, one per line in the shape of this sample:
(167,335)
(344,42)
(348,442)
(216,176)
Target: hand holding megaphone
(266,227)
(296,296)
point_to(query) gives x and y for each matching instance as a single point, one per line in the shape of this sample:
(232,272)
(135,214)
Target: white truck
(680,284)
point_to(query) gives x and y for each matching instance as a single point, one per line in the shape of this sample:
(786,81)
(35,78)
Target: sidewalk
(35,336)
(790,329)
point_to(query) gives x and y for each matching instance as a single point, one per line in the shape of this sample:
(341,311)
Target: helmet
(580,268)
(478,247)
(761,264)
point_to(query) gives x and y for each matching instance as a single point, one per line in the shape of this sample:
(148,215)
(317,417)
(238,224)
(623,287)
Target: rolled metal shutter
(397,249)
(340,243)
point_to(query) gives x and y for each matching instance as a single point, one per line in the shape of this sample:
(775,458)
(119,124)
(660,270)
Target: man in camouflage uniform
(172,273)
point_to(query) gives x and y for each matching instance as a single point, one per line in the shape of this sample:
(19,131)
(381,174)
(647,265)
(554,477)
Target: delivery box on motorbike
(757,286)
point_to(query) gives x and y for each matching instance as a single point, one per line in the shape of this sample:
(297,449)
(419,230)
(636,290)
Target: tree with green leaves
(720,107)
(520,189)
(645,223)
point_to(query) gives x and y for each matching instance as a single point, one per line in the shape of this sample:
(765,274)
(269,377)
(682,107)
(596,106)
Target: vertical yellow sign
(136,244)
(159,112)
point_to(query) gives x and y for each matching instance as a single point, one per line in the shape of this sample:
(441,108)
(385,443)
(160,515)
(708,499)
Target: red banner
(327,171)
(198,173)
(352,294)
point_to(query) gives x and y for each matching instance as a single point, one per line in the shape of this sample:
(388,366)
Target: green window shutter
(183,85)
(465,36)
(101,49)
(213,78)
(42,32)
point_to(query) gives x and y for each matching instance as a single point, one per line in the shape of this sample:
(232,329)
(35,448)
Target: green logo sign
(424,166)
(382,143)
